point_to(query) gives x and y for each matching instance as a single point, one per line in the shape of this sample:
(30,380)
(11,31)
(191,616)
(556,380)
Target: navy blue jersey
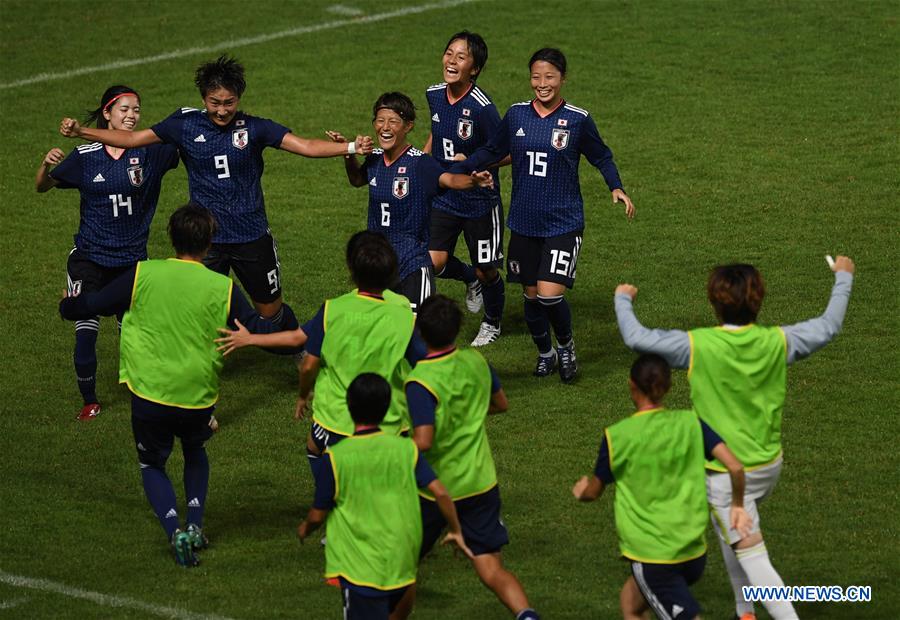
(225,167)
(462,127)
(400,198)
(546,192)
(118,198)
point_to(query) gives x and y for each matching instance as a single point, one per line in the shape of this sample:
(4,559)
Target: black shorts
(255,264)
(665,586)
(545,259)
(366,606)
(323,437)
(479,515)
(417,286)
(483,235)
(86,276)
(155,427)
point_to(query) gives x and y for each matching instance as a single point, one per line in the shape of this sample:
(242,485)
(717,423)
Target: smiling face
(221,105)
(547,83)
(124,113)
(391,129)
(458,63)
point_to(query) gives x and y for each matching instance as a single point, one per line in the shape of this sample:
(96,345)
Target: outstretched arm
(70,128)
(674,345)
(43,181)
(310,147)
(355,174)
(464,181)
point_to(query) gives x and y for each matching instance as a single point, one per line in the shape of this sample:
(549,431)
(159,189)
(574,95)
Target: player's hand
(335,136)
(53,157)
(364,145)
(844,263)
(580,487)
(213,424)
(232,339)
(629,289)
(303,530)
(483,179)
(741,521)
(457,539)
(70,128)
(620,196)
(303,405)
(459,157)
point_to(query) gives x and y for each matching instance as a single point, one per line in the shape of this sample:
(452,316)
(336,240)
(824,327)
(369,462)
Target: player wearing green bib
(450,393)
(170,364)
(738,374)
(367,490)
(656,460)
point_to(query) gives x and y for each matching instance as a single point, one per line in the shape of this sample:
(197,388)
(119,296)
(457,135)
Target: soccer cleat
(89,412)
(487,334)
(568,368)
(473,297)
(545,365)
(183,549)
(198,540)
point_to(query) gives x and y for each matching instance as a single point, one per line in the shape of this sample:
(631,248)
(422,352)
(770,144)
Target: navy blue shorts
(323,437)
(665,587)
(255,264)
(479,515)
(155,427)
(369,604)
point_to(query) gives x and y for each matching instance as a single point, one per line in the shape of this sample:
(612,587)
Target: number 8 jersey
(546,193)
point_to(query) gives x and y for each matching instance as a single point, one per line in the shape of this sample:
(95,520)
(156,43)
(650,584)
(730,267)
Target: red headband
(120,95)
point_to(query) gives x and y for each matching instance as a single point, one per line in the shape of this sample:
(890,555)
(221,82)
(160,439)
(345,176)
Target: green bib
(167,354)
(738,384)
(375,530)
(656,457)
(363,334)
(460,455)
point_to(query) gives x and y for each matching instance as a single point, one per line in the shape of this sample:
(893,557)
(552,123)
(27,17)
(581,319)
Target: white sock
(738,579)
(759,570)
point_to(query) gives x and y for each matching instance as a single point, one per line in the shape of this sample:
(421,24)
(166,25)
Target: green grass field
(764,132)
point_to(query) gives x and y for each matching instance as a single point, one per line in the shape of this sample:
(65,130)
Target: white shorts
(759,483)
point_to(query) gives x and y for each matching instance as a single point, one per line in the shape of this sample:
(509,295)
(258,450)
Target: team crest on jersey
(467,112)
(560,139)
(240,138)
(136,175)
(401,187)
(464,128)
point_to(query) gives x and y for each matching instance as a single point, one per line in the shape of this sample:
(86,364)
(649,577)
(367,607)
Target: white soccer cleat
(473,297)
(487,334)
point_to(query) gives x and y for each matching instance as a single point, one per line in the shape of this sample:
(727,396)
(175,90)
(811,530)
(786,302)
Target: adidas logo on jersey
(520,133)
(200,138)
(436,118)
(171,514)
(99,179)
(194,503)
(373,182)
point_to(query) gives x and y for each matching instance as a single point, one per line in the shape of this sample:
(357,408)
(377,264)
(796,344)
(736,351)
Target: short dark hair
(368,398)
(397,102)
(736,293)
(106,100)
(224,72)
(477,49)
(651,374)
(551,55)
(439,320)
(191,229)
(372,261)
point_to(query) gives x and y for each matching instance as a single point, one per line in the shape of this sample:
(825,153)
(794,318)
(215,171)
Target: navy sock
(455,269)
(161,496)
(528,614)
(285,320)
(85,358)
(196,482)
(315,462)
(560,315)
(538,325)
(494,296)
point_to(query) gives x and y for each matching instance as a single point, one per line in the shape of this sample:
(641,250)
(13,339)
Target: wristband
(351,148)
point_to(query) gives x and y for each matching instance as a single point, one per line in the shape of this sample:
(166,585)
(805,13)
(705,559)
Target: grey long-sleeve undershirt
(803,339)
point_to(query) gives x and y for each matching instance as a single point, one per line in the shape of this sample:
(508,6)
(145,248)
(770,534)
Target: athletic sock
(560,316)
(161,496)
(285,318)
(315,461)
(528,614)
(538,325)
(196,482)
(494,296)
(85,358)
(455,269)
(738,579)
(756,564)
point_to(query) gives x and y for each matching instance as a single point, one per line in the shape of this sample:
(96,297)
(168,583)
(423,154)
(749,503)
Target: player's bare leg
(500,581)
(632,602)
(754,559)
(405,606)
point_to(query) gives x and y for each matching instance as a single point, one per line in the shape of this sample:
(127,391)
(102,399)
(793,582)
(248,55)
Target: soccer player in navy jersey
(463,118)
(222,152)
(119,190)
(545,138)
(402,182)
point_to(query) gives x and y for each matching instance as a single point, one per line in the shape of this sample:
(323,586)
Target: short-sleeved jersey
(225,167)
(118,198)
(400,196)
(546,192)
(461,128)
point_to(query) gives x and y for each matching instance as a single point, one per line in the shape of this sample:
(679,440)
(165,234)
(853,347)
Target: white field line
(235,43)
(99,598)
